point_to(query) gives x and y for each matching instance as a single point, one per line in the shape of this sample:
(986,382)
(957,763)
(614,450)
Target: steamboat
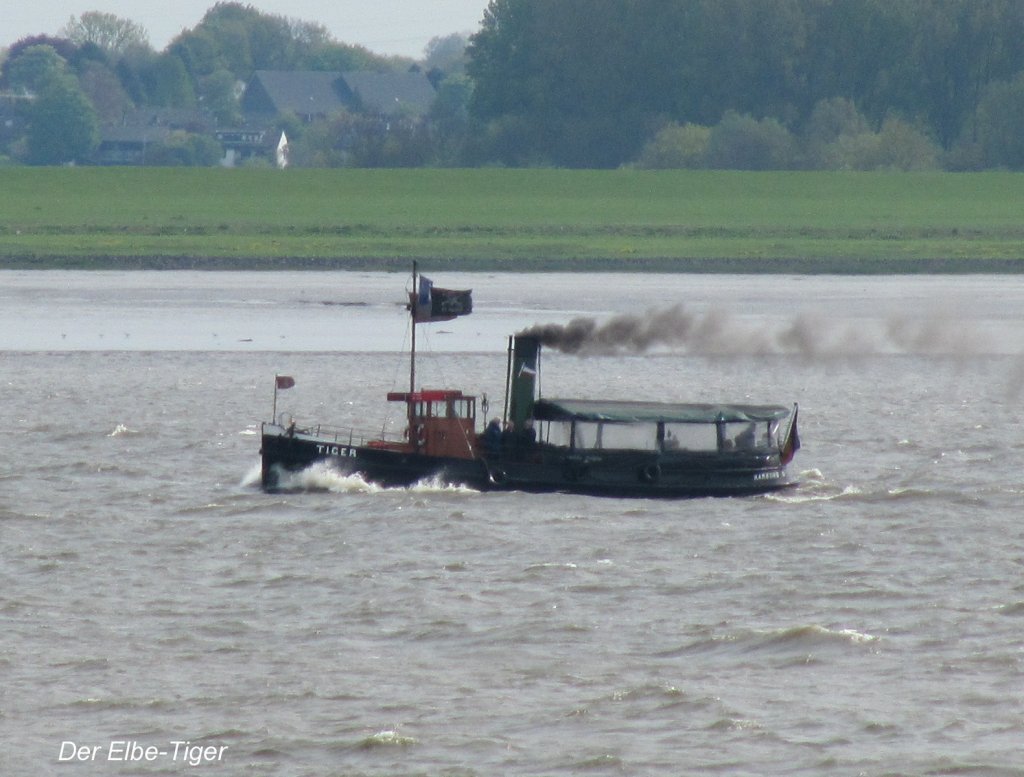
(586,446)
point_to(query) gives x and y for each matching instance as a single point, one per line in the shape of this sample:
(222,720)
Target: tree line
(743,84)
(752,83)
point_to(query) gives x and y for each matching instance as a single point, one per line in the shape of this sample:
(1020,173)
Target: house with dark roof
(389,94)
(318,94)
(308,94)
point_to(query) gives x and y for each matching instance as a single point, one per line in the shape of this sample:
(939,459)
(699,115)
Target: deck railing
(344,435)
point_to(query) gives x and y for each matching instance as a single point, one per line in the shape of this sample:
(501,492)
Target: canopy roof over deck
(653,412)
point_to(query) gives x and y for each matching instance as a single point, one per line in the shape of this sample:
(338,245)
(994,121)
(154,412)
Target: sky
(390,27)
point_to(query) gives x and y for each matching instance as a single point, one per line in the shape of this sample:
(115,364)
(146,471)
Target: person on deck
(492,438)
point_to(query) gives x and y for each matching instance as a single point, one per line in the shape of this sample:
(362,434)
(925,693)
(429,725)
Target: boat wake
(252,477)
(814,487)
(322,477)
(437,485)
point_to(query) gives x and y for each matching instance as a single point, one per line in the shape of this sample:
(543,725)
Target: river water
(158,610)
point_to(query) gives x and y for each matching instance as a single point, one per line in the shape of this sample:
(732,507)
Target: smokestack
(526,351)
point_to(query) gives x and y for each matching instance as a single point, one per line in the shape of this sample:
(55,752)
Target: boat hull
(541,469)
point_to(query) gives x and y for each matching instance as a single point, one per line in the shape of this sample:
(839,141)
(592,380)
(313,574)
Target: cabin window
(743,435)
(690,437)
(432,409)
(557,433)
(462,408)
(616,436)
(634,437)
(586,434)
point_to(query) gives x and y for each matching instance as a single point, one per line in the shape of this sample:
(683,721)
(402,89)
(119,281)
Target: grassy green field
(512,219)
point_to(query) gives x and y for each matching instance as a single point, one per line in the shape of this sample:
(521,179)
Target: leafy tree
(446,54)
(566,76)
(240,39)
(102,87)
(831,120)
(449,119)
(128,71)
(64,48)
(962,46)
(338,56)
(200,52)
(1000,119)
(218,95)
(33,68)
(743,55)
(63,127)
(111,33)
(500,61)
(166,82)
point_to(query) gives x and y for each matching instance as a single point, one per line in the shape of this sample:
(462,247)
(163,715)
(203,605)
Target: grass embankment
(512,220)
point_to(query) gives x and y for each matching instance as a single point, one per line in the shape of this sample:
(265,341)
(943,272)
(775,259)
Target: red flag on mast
(285,381)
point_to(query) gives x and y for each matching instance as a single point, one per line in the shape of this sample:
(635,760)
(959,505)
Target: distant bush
(741,142)
(676,146)
(183,149)
(897,146)
(837,137)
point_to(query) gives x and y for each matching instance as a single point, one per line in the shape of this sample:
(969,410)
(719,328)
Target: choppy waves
(865,622)
(774,642)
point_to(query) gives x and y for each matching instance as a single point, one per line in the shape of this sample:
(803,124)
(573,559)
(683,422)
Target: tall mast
(412,320)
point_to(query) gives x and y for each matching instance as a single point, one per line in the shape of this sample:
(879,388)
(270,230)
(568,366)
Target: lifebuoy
(651,473)
(497,476)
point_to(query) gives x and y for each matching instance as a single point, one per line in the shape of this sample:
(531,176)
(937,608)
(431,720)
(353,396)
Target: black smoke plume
(716,333)
(625,333)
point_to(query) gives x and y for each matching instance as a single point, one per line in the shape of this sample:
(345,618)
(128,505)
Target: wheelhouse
(441,422)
